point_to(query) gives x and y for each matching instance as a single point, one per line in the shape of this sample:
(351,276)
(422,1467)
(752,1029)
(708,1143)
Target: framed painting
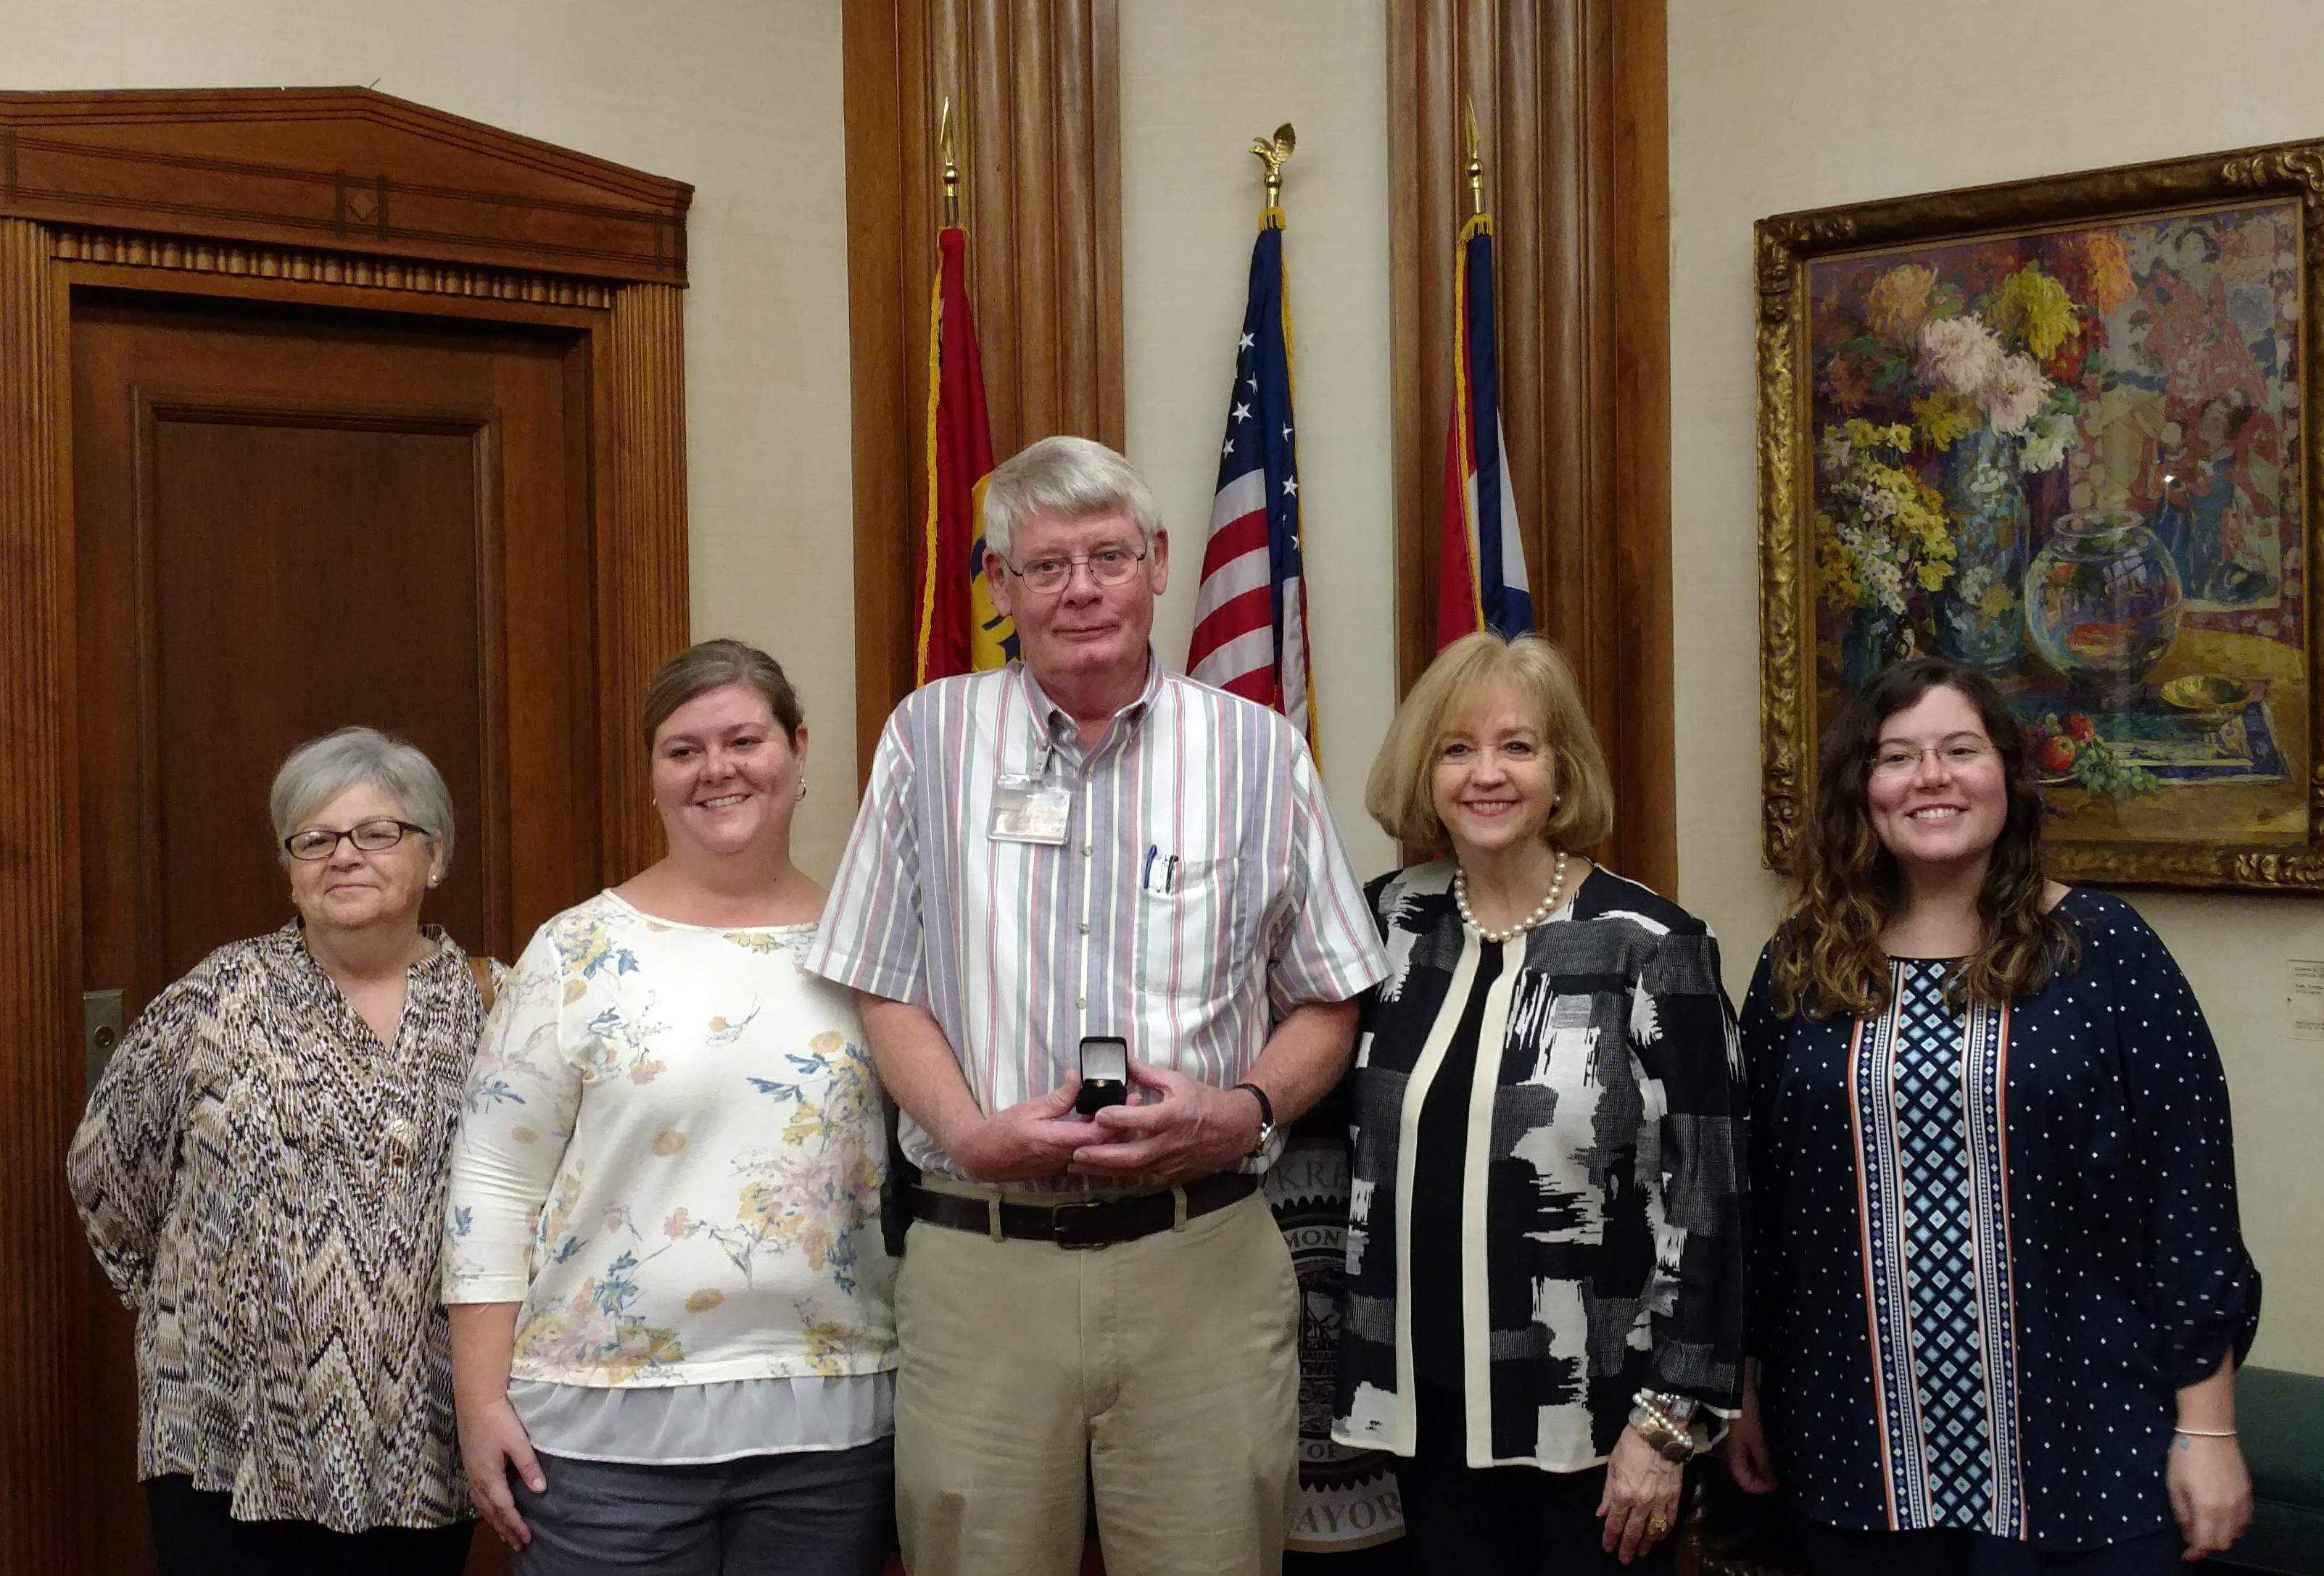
(2055,429)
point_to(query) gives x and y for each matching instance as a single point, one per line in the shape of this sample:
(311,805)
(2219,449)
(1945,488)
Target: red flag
(959,629)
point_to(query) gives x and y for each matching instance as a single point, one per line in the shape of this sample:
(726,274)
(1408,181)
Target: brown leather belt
(1093,1223)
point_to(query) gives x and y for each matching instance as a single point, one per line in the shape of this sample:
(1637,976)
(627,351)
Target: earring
(800,796)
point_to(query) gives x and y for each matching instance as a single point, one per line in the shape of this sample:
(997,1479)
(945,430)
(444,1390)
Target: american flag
(1251,614)
(1482,574)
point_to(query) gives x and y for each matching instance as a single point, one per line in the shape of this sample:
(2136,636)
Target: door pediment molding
(343,168)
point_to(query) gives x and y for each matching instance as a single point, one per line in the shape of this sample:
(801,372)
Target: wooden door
(288,521)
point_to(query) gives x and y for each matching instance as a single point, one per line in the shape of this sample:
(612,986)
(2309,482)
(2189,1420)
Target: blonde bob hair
(1400,793)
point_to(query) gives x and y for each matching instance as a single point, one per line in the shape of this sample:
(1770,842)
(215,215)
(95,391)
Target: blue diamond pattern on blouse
(1945,1343)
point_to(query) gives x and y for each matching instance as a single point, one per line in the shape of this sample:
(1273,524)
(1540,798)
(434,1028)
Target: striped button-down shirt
(1200,892)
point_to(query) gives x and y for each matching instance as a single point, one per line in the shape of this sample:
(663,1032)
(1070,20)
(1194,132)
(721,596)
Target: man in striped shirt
(1087,845)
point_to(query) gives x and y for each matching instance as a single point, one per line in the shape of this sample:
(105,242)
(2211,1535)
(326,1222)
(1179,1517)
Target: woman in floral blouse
(672,1343)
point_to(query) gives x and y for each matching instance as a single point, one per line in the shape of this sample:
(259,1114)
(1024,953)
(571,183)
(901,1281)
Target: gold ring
(1658,1525)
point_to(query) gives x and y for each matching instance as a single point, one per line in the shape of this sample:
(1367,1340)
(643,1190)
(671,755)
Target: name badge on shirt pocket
(1029,810)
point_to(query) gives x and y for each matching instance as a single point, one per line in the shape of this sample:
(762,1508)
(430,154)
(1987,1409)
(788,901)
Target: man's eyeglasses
(313,842)
(1954,754)
(1107,566)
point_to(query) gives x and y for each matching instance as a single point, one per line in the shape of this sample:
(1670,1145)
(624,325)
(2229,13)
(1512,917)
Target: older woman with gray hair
(262,1175)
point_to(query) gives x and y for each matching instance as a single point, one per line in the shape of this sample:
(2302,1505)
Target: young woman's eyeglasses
(1107,566)
(312,843)
(1954,754)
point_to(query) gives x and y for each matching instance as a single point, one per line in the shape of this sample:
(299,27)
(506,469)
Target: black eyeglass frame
(402,830)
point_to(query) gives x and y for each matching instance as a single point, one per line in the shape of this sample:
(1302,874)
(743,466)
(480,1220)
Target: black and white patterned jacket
(1608,1167)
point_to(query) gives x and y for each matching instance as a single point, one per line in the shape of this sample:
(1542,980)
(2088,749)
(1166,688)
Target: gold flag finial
(950,167)
(1275,155)
(1476,164)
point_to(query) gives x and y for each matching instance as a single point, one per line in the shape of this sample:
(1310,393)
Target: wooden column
(41,1501)
(646,545)
(1034,86)
(1570,104)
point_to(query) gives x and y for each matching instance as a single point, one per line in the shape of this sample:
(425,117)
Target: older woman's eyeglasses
(378,836)
(1107,566)
(1953,754)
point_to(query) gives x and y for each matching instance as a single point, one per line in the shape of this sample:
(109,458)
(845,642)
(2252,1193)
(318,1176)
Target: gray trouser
(802,1513)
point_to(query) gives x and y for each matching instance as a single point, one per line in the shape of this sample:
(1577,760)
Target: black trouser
(1836,1551)
(1518,1520)
(194,1535)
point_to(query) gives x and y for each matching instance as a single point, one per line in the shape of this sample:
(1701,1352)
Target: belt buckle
(1062,1223)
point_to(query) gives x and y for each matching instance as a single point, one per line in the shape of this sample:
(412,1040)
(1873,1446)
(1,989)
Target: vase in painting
(2102,602)
(1873,638)
(1977,618)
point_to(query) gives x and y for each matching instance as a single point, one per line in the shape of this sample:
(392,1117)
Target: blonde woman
(672,1341)
(1544,1303)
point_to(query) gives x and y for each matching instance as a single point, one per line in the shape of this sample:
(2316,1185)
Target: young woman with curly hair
(2000,1286)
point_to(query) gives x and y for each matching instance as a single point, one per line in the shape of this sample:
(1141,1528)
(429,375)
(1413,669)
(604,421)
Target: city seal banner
(1347,1499)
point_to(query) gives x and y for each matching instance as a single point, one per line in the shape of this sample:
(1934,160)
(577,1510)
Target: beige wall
(1814,102)
(1200,79)
(741,99)
(1772,108)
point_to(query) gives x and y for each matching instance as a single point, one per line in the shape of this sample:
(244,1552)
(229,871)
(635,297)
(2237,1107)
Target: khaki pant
(1168,1365)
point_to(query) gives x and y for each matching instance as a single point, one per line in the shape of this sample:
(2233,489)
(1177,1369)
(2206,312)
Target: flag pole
(950,167)
(1275,155)
(1476,164)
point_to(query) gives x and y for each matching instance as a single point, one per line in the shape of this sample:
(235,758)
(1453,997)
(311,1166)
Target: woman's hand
(2210,1492)
(492,1441)
(492,1437)
(1749,1459)
(1640,1505)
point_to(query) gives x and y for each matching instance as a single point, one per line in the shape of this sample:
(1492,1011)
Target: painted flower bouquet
(1942,387)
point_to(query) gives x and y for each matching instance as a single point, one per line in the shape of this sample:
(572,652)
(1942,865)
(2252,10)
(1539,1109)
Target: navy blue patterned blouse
(1989,1246)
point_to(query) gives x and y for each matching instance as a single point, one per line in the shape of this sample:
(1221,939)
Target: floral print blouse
(672,1154)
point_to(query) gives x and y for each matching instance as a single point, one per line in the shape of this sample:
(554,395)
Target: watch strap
(1265,1112)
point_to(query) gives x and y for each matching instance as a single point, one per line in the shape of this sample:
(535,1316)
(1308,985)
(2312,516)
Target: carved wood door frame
(332,198)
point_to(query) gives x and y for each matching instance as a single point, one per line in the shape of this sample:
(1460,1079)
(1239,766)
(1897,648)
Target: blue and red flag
(1482,577)
(1251,613)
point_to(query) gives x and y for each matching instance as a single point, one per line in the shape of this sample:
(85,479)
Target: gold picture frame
(2056,429)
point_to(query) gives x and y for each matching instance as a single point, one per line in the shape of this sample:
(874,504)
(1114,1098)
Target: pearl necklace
(1542,911)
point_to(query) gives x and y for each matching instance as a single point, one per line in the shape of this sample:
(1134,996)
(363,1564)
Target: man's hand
(1177,1131)
(1029,1139)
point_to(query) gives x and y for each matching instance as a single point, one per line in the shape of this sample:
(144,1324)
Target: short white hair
(1073,478)
(321,769)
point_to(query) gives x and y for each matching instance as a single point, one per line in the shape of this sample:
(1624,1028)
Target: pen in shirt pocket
(1146,876)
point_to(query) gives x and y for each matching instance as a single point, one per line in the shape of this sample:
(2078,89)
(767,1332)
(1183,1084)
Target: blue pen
(1146,876)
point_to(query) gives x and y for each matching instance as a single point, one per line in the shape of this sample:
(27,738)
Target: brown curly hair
(1829,958)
